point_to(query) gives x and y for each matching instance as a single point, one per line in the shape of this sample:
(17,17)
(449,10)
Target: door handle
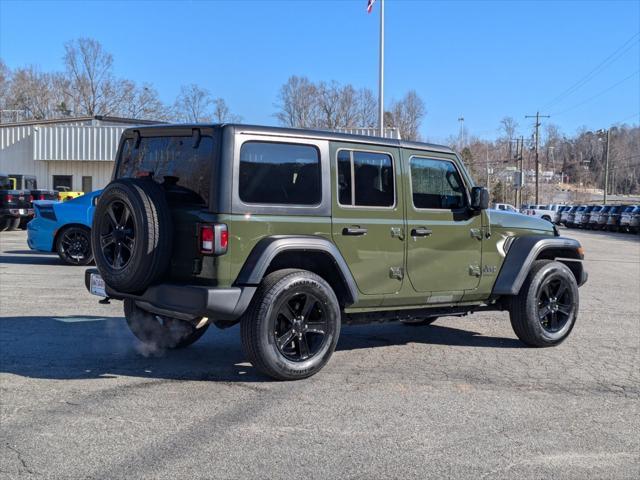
(354,231)
(421,232)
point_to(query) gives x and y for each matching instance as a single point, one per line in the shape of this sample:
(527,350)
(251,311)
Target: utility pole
(606,170)
(461,133)
(537,116)
(519,172)
(487,167)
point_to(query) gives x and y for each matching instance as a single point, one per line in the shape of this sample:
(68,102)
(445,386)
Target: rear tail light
(213,239)
(31,199)
(9,198)
(41,197)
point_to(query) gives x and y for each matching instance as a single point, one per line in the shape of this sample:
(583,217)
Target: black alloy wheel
(544,311)
(300,326)
(292,325)
(555,303)
(117,235)
(74,246)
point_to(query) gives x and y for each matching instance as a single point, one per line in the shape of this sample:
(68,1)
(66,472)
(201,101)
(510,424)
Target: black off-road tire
(7,223)
(13,224)
(257,324)
(74,254)
(422,322)
(160,332)
(524,308)
(152,227)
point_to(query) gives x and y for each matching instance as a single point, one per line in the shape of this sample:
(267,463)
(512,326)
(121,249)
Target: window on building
(365,179)
(436,184)
(279,173)
(30,183)
(87,184)
(63,183)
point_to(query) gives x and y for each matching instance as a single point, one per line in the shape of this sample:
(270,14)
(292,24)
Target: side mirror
(479,198)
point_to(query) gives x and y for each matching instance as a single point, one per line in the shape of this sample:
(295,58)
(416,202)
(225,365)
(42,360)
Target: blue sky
(481,60)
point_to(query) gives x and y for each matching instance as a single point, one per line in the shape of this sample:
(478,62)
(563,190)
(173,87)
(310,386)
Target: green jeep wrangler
(292,233)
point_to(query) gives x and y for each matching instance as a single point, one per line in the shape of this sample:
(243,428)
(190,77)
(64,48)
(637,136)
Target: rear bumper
(40,235)
(188,300)
(17,212)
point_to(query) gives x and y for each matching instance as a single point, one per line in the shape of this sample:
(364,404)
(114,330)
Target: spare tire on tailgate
(131,234)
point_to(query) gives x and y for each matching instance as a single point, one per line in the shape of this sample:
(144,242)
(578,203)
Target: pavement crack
(20,456)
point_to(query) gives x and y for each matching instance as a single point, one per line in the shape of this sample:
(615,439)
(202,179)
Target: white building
(77,153)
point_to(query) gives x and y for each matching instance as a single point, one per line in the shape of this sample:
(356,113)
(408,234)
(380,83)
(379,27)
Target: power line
(599,94)
(635,115)
(619,52)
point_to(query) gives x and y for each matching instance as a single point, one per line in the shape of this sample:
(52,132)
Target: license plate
(21,211)
(96,285)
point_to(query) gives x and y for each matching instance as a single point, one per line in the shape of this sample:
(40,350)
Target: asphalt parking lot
(459,399)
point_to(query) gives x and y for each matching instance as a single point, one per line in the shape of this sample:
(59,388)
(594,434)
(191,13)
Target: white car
(545,212)
(505,207)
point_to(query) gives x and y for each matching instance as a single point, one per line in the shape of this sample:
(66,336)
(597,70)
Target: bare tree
(142,102)
(192,104)
(366,109)
(222,113)
(39,95)
(89,69)
(5,81)
(297,103)
(508,128)
(406,115)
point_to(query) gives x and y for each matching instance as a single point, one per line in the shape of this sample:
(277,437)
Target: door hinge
(397,233)
(396,272)
(476,233)
(474,270)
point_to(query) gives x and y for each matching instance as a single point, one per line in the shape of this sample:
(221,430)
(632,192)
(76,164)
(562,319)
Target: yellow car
(66,195)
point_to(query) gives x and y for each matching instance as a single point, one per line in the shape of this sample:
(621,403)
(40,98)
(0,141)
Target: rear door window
(365,179)
(180,164)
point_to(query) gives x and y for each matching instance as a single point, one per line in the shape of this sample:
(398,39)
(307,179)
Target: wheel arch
(316,254)
(527,249)
(63,228)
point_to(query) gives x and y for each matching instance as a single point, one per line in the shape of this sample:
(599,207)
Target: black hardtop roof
(296,132)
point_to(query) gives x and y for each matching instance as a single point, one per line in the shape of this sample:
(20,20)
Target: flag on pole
(370,5)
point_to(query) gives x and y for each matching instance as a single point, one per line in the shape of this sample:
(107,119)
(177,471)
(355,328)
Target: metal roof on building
(83,119)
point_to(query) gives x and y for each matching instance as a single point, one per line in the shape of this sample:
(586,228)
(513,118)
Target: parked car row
(614,218)
(17,194)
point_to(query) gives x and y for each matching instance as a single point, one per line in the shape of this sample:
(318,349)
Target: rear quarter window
(279,174)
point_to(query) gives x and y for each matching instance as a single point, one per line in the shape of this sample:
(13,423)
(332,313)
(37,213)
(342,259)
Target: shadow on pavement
(36,259)
(89,347)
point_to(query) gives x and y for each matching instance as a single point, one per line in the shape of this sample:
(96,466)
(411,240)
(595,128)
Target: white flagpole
(381,73)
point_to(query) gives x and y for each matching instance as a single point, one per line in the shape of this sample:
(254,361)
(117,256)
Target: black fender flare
(268,248)
(524,250)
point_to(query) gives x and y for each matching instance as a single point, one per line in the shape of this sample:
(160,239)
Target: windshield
(180,164)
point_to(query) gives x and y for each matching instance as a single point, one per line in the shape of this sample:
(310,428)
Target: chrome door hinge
(397,232)
(476,233)
(474,270)
(396,272)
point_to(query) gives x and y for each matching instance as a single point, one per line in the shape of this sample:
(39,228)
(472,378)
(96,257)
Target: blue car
(64,227)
